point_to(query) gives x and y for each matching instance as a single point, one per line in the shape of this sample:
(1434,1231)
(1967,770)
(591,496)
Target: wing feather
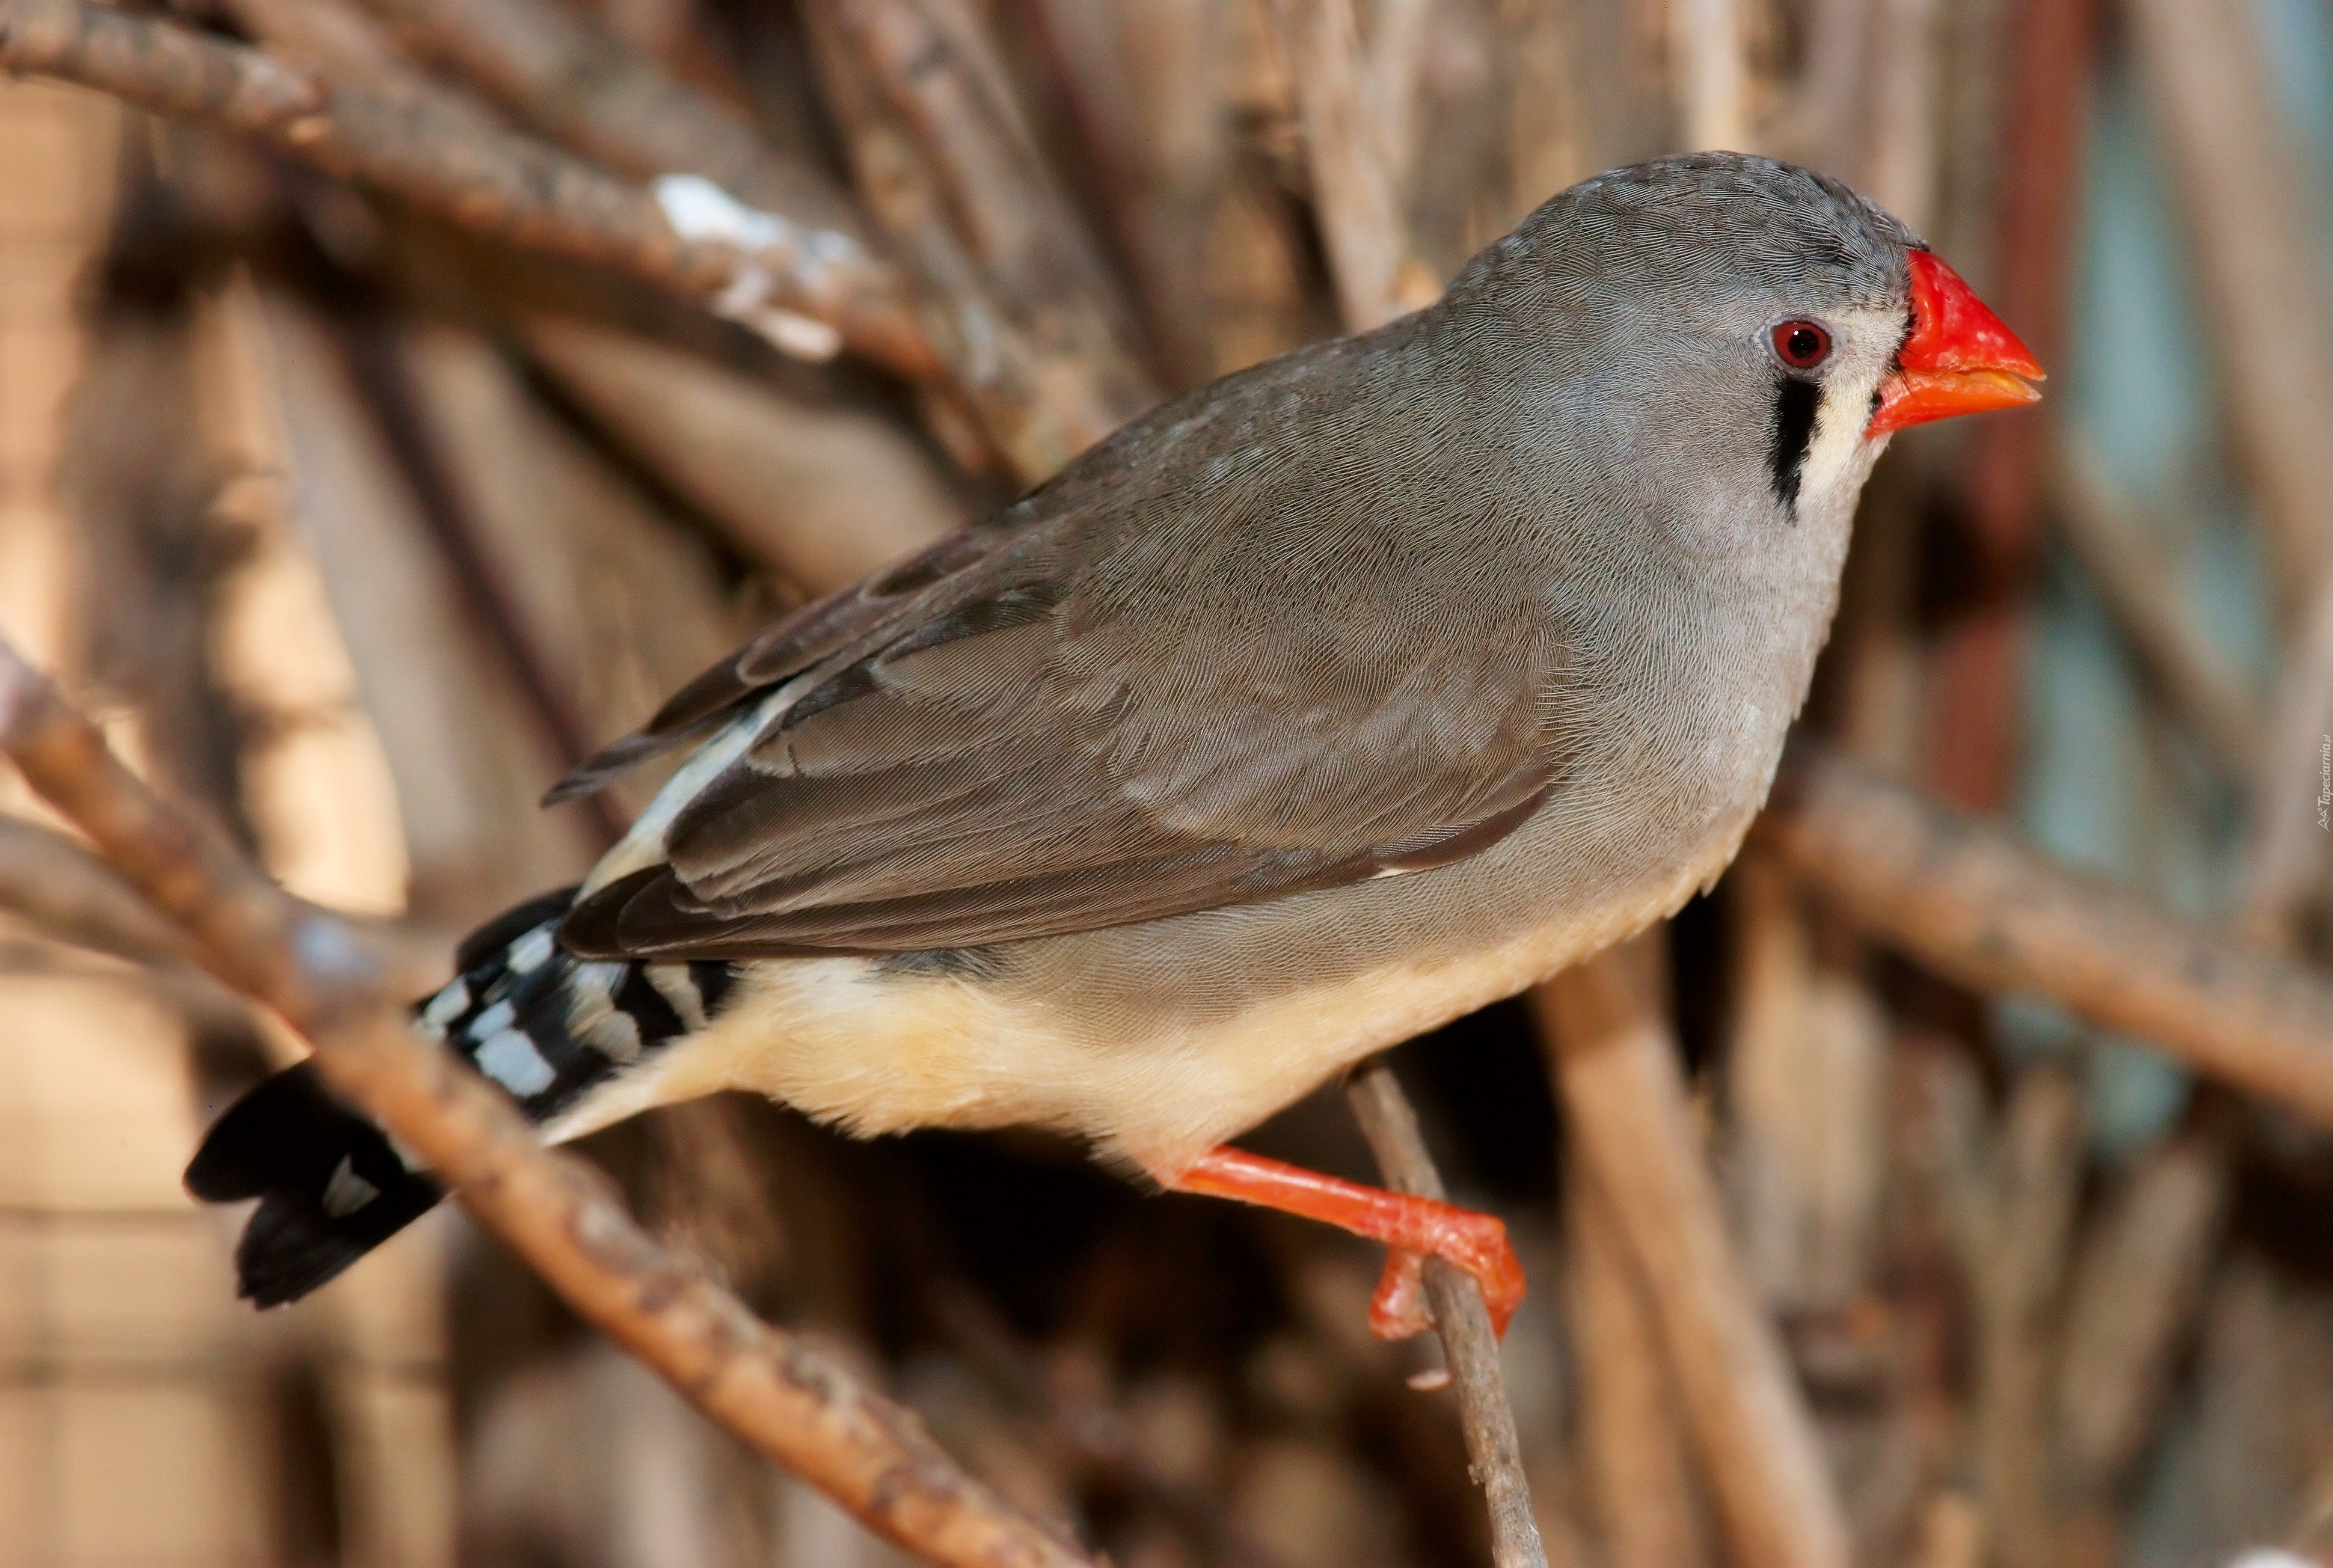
(1203,669)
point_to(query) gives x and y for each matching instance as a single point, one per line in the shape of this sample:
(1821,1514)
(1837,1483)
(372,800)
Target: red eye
(1804,345)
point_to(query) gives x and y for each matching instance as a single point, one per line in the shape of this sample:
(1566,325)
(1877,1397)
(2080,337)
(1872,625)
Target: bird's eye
(1804,345)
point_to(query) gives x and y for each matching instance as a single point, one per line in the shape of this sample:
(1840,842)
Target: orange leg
(1412,1226)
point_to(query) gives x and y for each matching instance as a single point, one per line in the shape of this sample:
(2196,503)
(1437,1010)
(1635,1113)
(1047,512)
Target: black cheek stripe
(1795,403)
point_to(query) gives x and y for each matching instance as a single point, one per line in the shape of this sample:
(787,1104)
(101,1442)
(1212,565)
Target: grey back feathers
(1358,611)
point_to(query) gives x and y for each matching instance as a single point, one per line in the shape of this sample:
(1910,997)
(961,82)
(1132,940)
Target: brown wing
(1037,750)
(786,647)
(1287,633)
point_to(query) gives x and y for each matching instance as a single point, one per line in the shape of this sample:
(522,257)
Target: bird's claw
(1398,1309)
(1475,1243)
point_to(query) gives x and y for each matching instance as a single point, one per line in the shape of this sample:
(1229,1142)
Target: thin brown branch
(580,85)
(1976,656)
(1804,1052)
(1968,899)
(56,886)
(2138,1285)
(1818,125)
(1709,44)
(1646,1507)
(1469,1344)
(1616,1066)
(1038,368)
(1040,365)
(1032,328)
(1402,34)
(2286,857)
(826,495)
(385,384)
(1900,166)
(2016,1260)
(2237,169)
(2141,601)
(337,40)
(869,1454)
(509,186)
(1353,192)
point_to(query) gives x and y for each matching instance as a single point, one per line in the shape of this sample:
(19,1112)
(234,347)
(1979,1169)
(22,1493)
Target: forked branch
(501,184)
(324,976)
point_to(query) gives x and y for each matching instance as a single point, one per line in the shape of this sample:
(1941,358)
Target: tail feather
(546,1027)
(331,1187)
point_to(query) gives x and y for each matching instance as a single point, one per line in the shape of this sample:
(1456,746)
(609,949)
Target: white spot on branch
(699,209)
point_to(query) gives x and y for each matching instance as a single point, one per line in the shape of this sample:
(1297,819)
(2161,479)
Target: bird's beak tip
(1959,358)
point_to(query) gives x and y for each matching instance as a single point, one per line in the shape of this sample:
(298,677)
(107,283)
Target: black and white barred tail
(544,1025)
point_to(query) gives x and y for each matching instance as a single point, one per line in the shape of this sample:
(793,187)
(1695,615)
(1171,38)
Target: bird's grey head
(1735,316)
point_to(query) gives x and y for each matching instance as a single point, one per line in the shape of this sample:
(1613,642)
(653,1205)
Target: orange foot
(1411,1227)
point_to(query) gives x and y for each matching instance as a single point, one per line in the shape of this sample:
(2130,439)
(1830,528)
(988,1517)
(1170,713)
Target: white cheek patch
(1838,447)
(1840,432)
(1839,420)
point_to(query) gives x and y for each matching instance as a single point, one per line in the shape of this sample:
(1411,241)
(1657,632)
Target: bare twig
(1353,189)
(583,87)
(1708,42)
(1142,93)
(2016,1260)
(1028,330)
(2286,855)
(1468,1342)
(1968,899)
(1899,165)
(2238,167)
(384,383)
(60,888)
(1804,1069)
(317,971)
(339,41)
(1402,34)
(1032,325)
(1646,1507)
(1616,1065)
(2257,259)
(1821,123)
(1974,732)
(825,493)
(67,894)
(2135,587)
(509,186)
(53,883)
(2136,1286)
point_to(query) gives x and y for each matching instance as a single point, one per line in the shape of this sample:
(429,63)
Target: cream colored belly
(877,1052)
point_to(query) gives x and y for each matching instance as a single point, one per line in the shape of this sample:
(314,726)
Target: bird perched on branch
(1304,714)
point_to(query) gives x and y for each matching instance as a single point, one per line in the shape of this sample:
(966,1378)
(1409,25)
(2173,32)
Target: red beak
(1958,360)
